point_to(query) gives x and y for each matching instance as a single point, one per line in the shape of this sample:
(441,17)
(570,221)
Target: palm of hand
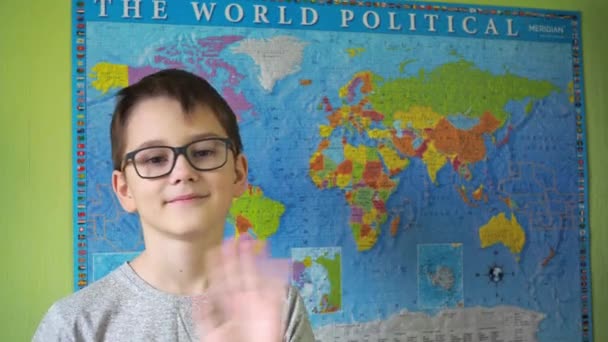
(246,296)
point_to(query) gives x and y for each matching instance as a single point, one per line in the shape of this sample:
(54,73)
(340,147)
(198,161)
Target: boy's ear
(121,189)
(240,175)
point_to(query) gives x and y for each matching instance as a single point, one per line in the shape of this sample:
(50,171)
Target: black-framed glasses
(157,161)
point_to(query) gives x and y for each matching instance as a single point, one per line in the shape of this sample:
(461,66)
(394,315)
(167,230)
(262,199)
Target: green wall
(35,167)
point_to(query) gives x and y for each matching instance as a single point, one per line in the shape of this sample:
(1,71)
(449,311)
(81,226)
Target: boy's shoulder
(118,305)
(78,315)
(105,292)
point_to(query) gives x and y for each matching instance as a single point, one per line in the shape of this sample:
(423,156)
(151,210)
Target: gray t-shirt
(123,307)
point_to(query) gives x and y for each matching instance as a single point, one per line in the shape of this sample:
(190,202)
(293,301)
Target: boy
(178,163)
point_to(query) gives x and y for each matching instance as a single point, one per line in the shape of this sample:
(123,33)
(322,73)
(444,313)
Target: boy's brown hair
(188,89)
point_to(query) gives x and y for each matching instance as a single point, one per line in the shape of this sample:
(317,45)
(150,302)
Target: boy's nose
(183,171)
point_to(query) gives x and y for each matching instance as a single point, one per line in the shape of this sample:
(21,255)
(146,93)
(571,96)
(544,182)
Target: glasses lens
(154,161)
(208,154)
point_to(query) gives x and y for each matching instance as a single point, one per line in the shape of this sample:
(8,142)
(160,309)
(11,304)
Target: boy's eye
(153,157)
(203,153)
(156,160)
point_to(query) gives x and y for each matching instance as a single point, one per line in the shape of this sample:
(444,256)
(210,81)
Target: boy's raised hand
(246,296)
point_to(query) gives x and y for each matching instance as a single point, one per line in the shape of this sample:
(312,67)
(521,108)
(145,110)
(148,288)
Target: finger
(276,269)
(214,270)
(250,275)
(231,268)
(258,269)
(215,312)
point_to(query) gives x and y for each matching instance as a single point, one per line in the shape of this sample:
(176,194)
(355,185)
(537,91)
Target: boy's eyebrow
(161,142)
(204,136)
(150,143)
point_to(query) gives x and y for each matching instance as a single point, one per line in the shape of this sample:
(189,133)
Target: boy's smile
(186,202)
(185,199)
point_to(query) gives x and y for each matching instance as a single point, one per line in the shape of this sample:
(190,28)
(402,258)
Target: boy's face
(186,202)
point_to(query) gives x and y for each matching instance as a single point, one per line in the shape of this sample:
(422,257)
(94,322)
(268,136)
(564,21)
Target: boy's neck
(174,266)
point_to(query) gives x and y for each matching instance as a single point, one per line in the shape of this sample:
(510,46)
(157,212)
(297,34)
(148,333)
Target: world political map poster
(422,165)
